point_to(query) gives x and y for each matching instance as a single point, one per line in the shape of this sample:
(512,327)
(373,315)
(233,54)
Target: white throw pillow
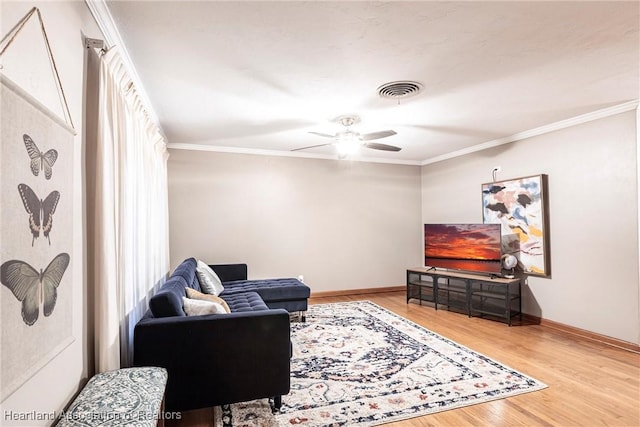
(196,307)
(209,280)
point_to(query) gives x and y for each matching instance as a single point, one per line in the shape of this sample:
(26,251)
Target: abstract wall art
(520,206)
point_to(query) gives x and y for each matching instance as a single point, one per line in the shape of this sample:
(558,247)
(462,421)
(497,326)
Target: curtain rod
(94,43)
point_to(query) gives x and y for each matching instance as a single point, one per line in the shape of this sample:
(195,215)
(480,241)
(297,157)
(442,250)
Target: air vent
(399,89)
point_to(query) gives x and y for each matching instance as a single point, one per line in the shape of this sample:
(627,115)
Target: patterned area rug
(358,364)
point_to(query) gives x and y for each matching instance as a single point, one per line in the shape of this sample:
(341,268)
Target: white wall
(26,63)
(593,210)
(343,225)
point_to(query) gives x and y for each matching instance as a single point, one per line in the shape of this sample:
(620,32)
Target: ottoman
(131,396)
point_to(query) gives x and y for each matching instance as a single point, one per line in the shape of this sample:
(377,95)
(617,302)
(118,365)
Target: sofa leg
(277,403)
(303,316)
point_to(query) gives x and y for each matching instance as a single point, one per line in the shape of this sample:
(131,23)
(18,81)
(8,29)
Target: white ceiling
(249,76)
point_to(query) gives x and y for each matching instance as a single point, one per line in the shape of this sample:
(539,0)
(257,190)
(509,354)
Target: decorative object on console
(519,205)
(509,262)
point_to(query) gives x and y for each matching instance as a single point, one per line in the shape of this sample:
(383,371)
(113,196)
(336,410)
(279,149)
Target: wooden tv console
(473,294)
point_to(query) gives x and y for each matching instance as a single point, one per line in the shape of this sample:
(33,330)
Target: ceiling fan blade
(377,135)
(312,146)
(383,147)
(326,135)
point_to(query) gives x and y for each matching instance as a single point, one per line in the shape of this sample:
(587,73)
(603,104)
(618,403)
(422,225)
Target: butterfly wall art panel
(37,236)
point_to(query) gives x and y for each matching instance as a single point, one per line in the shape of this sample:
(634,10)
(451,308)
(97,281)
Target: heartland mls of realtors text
(86,416)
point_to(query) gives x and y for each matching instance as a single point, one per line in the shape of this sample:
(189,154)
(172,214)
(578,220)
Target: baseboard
(529,319)
(348,292)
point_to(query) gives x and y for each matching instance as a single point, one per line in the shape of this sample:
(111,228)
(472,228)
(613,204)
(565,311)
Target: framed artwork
(520,206)
(36,231)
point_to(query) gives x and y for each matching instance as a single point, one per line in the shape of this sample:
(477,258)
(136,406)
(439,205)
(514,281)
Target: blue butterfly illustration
(33,288)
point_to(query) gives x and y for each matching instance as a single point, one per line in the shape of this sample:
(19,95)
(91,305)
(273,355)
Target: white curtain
(131,214)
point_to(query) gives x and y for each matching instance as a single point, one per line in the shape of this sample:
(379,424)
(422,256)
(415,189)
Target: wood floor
(589,383)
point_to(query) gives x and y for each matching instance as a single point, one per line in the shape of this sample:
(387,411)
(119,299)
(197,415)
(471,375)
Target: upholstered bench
(124,397)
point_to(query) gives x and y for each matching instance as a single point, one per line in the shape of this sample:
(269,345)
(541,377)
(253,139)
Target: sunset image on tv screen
(462,241)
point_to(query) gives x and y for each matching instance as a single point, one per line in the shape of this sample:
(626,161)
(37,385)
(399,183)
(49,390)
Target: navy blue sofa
(220,358)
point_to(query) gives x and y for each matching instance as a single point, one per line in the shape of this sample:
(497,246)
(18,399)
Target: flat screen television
(469,247)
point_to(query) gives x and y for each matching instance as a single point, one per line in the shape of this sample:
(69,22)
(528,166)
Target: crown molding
(107,26)
(105,22)
(277,153)
(552,127)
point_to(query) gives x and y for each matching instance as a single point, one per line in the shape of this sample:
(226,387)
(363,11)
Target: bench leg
(277,403)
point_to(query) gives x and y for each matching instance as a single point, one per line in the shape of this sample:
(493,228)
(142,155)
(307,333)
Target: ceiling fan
(348,141)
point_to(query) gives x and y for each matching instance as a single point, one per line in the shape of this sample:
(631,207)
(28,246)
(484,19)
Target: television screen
(471,247)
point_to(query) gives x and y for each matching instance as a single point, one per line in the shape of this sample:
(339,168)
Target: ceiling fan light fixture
(348,142)
(348,136)
(346,148)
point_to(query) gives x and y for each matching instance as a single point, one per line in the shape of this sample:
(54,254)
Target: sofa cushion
(187,271)
(192,293)
(209,281)
(197,307)
(230,272)
(244,301)
(270,289)
(167,301)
